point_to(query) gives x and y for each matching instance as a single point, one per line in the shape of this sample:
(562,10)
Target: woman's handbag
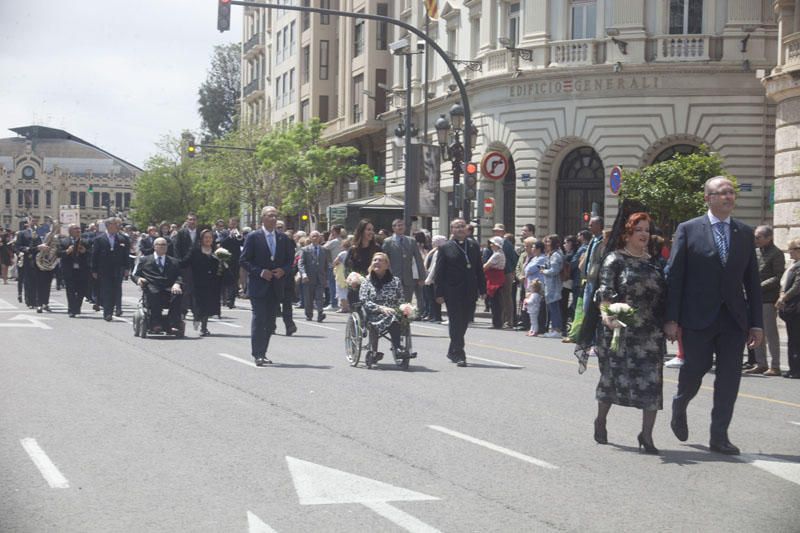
(790,309)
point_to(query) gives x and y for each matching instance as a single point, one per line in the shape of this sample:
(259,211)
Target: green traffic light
(376,179)
(91,189)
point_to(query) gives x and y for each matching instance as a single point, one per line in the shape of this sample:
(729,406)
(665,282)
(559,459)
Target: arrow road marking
(787,470)
(495,447)
(33,322)
(6,305)
(256,525)
(51,474)
(321,485)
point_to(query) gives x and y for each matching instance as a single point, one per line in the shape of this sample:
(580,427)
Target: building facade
(568,89)
(297,66)
(45,168)
(783,87)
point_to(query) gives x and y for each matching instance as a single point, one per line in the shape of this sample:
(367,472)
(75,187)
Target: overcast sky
(118,74)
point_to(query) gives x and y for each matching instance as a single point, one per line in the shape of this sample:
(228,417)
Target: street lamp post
(448,133)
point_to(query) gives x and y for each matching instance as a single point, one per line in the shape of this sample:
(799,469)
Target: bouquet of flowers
(406,313)
(354,280)
(624,315)
(224,258)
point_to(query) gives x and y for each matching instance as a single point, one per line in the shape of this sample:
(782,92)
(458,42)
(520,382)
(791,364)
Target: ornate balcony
(791,52)
(257,40)
(683,48)
(255,85)
(575,53)
(496,61)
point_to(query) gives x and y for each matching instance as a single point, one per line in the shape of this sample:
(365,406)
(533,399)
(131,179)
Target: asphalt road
(103,431)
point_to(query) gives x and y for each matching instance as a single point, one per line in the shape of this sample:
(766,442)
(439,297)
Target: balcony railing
(256,40)
(683,48)
(791,51)
(574,53)
(255,85)
(496,61)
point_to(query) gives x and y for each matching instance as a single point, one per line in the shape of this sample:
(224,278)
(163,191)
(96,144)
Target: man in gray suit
(403,253)
(313,266)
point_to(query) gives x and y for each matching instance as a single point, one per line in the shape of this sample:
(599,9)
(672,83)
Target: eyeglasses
(726,192)
(793,249)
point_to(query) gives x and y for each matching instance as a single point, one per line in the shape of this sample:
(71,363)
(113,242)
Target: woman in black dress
(5,254)
(359,256)
(207,276)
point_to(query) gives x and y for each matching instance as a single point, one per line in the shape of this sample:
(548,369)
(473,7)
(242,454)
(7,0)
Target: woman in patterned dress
(381,294)
(632,375)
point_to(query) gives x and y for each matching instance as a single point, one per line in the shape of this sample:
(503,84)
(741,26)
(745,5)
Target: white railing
(497,60)
(573,53)
(791,51)
(682,48)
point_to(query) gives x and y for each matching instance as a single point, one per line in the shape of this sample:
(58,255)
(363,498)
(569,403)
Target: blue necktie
(722,241)
(161,264)
(271,244)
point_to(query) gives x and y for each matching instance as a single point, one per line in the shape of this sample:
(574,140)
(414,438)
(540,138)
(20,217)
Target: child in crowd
(533,302)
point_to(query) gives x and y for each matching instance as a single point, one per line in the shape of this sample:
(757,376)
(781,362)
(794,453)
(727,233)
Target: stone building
(44,168)
(783,87)
(568,89)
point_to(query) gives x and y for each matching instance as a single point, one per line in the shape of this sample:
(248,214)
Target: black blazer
(698,284)
(68,262)
(108,262)
(183,245)
(453,280)
(156,280)
(256,257)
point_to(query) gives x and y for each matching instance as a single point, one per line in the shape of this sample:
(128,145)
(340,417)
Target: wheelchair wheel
(143,328)
(352,339)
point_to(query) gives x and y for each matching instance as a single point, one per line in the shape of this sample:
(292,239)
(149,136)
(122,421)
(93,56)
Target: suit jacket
(256,257)
(74,265)
(314,265)
(146,245)
(454,281)
(401,253)
(108,262)
(158,281)
(183,245)
(698,285)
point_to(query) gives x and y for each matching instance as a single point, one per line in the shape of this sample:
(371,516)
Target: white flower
(408,310)
(354,280)
(619,309)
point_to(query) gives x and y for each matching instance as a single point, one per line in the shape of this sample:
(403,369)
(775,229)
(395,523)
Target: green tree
(306,168)
(219,93)
(672,191)
(166,189)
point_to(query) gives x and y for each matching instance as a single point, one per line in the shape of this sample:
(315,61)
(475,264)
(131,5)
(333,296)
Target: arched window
(669,153)
(580,189)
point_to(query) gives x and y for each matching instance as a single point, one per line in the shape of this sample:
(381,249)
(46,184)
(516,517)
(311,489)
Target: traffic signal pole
(462,89)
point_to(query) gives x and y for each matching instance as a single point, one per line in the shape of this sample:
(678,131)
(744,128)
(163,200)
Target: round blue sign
(615,180)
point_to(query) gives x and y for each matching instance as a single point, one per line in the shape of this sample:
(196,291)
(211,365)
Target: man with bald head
(267,256)
(714,296)
(313,266)
(159,276)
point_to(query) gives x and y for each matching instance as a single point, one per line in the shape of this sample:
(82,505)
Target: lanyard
(464,251)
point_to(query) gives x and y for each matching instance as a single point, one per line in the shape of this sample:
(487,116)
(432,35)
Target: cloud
(119,74)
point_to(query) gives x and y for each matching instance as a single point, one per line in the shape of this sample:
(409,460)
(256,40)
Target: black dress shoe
(107,318)
(453,358)
(309,318)
(679,425)
(724,447)
(19,298)
(321,317)
(96,307)
(72,315)
(290,330)
(649,447)
(118,312)
(600,432)
(260,361)
(39,309)
(461,362)
(790,375)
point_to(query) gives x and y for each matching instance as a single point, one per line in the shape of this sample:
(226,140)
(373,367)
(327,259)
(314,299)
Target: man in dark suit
(403,252)
(313,266)
(74,255)
(458,282)
(159,276)
(109,265)
(267,256)
(91,290)
(714,296)
(23,245)
(184,242)
(286,306)
(147,241)
(233,243)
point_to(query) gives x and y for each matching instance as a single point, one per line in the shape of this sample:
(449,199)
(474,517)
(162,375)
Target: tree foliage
(219,93)
(672,190)
(306,168)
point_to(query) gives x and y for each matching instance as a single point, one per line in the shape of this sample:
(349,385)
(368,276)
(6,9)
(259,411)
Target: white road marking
(256,525)
(6,305)
(33,322)
(309,323)
(415,325)
(218,321)
(120,319)
(51,474)
(787,470)
(795,423)
(321,485)
(509,365)
(238,360)
(495,447)
(401,518)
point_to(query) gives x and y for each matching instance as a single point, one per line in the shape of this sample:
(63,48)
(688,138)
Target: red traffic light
(224,1)
(471,168)
(586,217)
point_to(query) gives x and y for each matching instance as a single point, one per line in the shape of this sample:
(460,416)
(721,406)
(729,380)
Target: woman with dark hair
(359,257)
(553,285)
(207,277)
(567,307)
(631,370)
(165,232)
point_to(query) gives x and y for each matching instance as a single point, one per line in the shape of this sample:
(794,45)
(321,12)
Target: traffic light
(470,181)
(224,15)
(191,149)
(376,179)
(304,218)
(458,193)
(91,189)
(586,217)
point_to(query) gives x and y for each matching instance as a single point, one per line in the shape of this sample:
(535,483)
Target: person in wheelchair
(159,276)
(380,295)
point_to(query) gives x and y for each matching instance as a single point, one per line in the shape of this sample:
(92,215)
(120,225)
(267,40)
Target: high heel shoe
(649,448)
(600,433)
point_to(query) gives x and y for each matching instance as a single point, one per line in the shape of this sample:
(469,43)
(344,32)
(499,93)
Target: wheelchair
(145,324)
(360,337)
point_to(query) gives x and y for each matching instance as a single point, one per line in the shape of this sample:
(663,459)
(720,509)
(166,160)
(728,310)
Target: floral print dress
(633,376)
(375,293)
